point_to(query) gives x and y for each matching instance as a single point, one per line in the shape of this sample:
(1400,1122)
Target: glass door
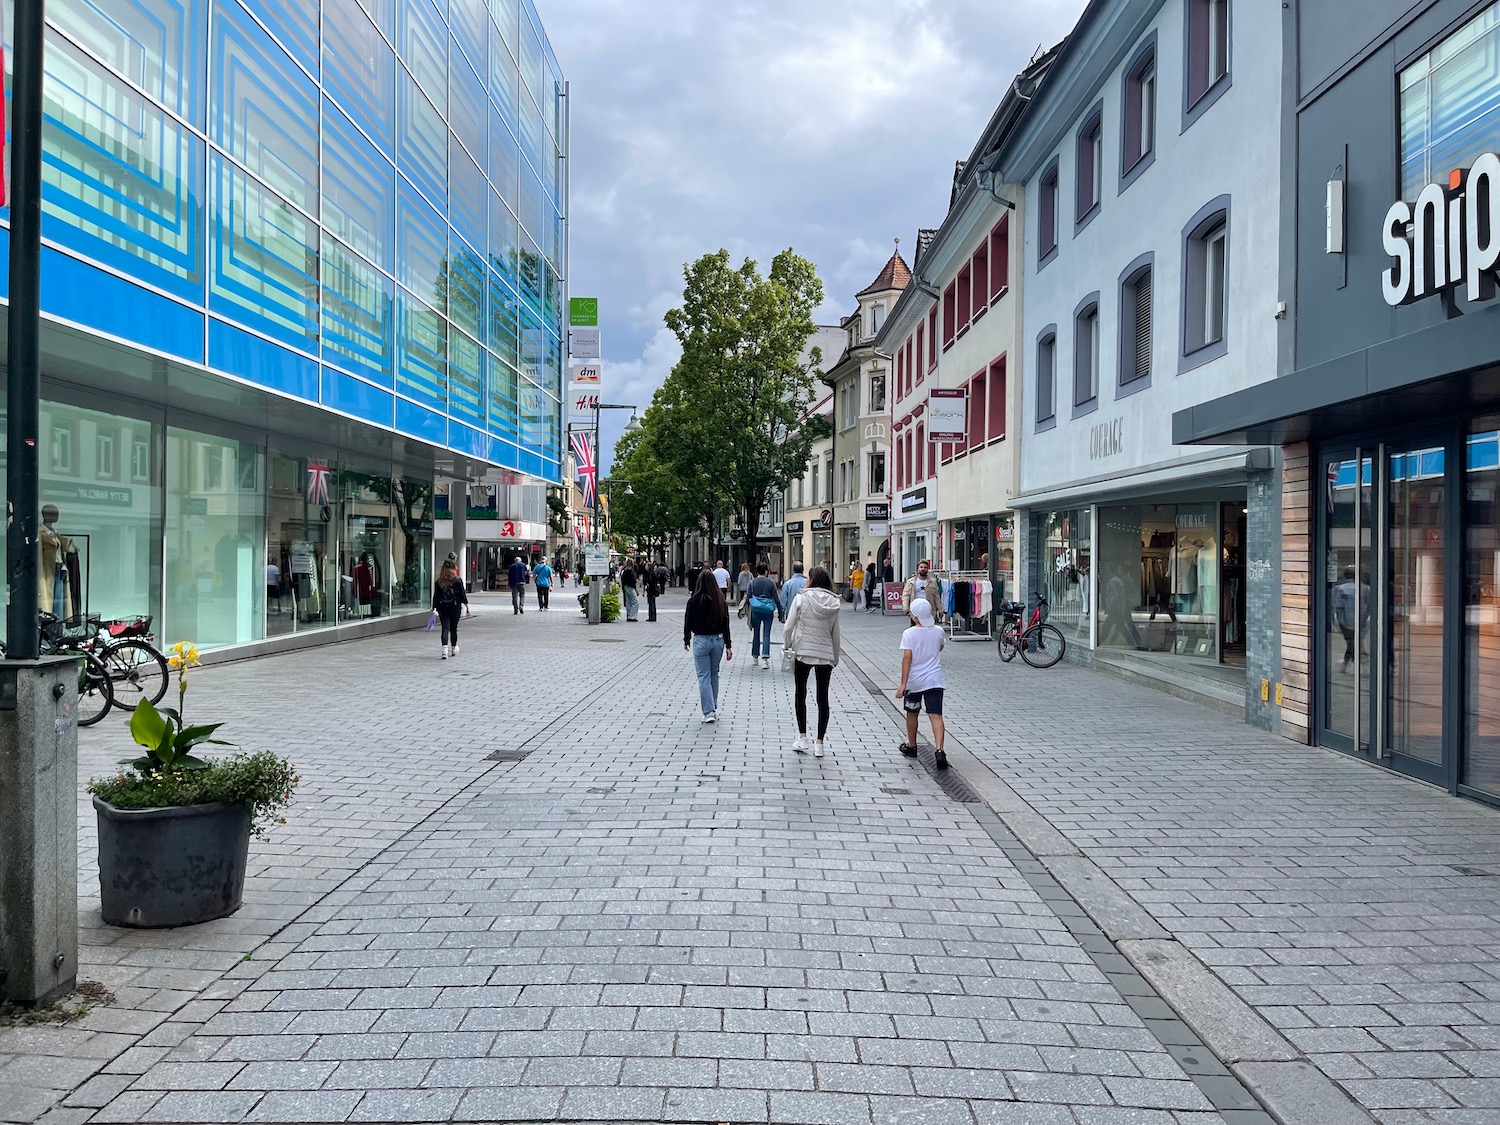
(1415,556)
(1347,604)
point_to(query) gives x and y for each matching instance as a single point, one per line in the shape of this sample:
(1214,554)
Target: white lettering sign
(947,415)
(1449,236)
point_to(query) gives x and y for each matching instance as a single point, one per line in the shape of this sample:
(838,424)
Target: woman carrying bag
(812,634)
(764,600)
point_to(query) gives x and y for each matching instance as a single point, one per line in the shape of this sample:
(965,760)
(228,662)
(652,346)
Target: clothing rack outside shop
(965,624)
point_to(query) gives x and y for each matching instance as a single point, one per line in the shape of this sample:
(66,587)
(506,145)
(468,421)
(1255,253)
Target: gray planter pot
(171,866)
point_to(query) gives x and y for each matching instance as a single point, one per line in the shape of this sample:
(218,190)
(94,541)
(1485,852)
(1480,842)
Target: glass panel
(530,280)
(357,301)
(1067,561)
(470,20)
(465,378)
(504,252)
(216,576)
(296,22)
(503,78)
(1417,558)
(422,344)
(423,246)
(156,44)
(302,544)
(100,540)
(506,18)
(1450,103)
(505,159)
(423,47)
(423,144)
(504,405)
(411,550)
(469,195)
(504,310)
(359,71)
(465,290)
(469,110)
(1348,604)
(1482,610)
(359,189)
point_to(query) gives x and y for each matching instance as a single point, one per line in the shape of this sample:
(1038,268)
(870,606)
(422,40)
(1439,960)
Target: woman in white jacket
(812,635)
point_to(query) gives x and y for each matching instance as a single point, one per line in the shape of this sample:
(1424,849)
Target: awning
(1178,478)
(1447,368)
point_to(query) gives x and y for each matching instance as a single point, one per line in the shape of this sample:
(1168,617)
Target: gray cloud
(830,126)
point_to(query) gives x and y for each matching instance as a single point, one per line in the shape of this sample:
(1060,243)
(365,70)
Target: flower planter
(171,866)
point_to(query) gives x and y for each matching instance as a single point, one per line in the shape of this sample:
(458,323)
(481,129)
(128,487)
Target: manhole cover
(506,755)
(895,790)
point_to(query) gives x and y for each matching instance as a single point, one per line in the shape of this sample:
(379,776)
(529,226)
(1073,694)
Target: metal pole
(596,582)
(23,398)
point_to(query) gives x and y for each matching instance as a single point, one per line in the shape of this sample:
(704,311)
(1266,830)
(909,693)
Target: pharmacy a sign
(1449,237)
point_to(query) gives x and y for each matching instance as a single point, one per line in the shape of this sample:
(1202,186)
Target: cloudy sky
(830,126)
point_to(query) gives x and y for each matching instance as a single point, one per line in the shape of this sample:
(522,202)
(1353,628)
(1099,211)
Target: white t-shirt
(273,574)
(925,643)
(919,591)
(721,576)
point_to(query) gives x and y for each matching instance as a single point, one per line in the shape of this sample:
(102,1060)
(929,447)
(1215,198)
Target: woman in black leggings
(812,635)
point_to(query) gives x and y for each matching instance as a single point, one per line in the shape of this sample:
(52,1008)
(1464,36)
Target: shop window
(1086,355)
(1046,376)
(1205,290)
(1046,221)
(1159,579)
(877,474)
(1450,101)
(1207,56)
(1135,324)
(1090,166)
(1139,121)
(1066,563)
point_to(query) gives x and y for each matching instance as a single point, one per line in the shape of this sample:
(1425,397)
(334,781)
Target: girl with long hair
(705,633)
(812,635)
(448,598)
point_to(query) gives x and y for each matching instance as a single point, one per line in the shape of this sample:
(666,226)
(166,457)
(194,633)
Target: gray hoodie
(812,627)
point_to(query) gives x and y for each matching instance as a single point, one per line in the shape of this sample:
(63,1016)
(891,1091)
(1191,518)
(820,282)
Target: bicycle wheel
(95,690)
(1008,642)
(1042,646)
(137,671)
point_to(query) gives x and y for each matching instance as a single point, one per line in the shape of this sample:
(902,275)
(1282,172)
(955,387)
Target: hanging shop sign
(823,522)
(583,312)
(794,528)
(879,531)
(877,511)
(1449,237)
(596,560)
(583,343)
(915,500)
(583,403)
(947,415)
(585,373)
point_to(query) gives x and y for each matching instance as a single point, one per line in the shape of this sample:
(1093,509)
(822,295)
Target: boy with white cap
(922,679)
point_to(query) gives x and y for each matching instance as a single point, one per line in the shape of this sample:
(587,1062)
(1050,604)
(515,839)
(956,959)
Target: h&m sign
(1449,236)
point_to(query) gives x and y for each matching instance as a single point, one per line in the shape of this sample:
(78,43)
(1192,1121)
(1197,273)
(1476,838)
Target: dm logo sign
(1449,237)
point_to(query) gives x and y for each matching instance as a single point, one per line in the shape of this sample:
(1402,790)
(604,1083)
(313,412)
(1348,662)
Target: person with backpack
(765,603)
(449,598)
(518,577)
(543,577)
(812,636)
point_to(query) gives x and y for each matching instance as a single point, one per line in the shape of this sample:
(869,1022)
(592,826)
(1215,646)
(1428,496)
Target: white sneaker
(445,652)
(817,749)
(767,663)
(800,746)
(455,650)
(711,717)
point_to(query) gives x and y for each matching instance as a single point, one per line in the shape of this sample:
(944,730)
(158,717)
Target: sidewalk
(632,917)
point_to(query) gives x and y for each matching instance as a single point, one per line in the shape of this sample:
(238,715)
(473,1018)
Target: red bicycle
(1041,645)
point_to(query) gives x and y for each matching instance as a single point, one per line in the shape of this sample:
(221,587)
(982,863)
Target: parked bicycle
(72,637)
(137,668)
(1041,645)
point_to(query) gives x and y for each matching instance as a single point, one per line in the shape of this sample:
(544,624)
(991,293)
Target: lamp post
(596,588)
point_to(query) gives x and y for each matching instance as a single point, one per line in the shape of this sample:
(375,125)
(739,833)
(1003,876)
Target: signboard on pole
(583,343)
(947,415)
(586,372)
(582,402)
(891,594)
(583,312)
(596,560)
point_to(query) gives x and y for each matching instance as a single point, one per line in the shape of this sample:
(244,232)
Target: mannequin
(57,569)
(1187,574)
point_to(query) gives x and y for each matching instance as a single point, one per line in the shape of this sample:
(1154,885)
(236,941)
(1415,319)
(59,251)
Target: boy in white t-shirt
(922,679)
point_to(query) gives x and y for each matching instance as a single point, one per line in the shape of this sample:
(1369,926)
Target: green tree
(731,420)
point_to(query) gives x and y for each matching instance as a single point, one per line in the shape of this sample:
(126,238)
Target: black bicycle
(1041,645)
(70,638)
(137,668)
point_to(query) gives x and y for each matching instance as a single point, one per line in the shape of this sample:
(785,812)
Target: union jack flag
(317,484)
(583,449)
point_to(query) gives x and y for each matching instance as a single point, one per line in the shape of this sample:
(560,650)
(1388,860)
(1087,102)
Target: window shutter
(1143,325)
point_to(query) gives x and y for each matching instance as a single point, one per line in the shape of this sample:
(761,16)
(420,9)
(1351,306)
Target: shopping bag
(432,621)
(788,659)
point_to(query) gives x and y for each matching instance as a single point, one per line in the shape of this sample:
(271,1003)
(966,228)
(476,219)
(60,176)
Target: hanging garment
(75,583)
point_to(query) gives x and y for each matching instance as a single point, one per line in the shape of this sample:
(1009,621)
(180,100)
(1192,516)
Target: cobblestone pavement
(634,917)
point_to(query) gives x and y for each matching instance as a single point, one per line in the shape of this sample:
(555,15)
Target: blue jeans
(707,652)
(760,627)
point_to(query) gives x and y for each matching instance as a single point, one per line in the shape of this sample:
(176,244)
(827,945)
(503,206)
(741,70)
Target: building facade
(299,260)
(1388,414)
(807,510)
(1149,156)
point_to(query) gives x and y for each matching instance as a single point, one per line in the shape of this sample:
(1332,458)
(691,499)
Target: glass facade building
(298,258)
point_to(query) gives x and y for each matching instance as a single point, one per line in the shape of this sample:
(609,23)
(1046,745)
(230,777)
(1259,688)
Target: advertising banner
(947,415)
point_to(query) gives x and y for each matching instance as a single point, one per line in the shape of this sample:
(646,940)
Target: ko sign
(1449,236)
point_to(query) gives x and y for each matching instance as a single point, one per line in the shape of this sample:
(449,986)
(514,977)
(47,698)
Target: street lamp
(596,588)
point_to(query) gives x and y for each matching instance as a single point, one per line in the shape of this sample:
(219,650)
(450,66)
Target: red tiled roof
(895,275)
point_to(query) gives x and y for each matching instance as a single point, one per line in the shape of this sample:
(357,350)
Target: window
(995,425)
(61,458)
(877,393)
(815,492)
(1086,355)
(931,343)
(1135,323)
(1000,258)
(140,460)
(1205,290)
(980,268)
(1046,221)
(921,336)
(877,474)
(1046,375)
(828,478)
(1139,132)
(965,299)
(877,318)
(1450,104)
(1207,53)
(919,452)
(848,405)
(104,457)
(950,313)
(1090,166)
(978,410)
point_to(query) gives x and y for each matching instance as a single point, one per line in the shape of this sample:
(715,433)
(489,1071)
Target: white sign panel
(582,402)
(947,415)
(596,560)
(1448,237)
(583,343)
(586,372)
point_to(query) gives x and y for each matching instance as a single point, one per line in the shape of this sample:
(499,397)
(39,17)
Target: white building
(808,526)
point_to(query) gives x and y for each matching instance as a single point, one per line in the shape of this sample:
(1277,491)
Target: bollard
(38,830)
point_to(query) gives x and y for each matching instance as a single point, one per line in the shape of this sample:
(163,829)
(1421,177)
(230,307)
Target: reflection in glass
(301,543)
(1066,565)
(1417,556)
(1348,600)
(359,71)
(357,304)
(1481,767)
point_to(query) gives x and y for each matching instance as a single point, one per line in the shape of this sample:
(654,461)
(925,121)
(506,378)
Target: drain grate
(948,781)
(895,790)
(506,755)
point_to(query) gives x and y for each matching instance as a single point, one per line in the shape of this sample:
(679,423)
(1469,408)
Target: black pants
(448,618)
(650,606)
(799,675)
(543,596)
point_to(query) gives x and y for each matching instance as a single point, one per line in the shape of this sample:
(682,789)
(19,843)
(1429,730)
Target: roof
(895,275)
(925,235)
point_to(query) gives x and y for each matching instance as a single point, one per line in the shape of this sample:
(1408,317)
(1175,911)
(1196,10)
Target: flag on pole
(583,449)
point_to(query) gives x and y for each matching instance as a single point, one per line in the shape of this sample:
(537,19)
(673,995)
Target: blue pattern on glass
(359,72)
(296,25)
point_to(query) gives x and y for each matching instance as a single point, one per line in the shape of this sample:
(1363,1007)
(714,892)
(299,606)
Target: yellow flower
(174,662)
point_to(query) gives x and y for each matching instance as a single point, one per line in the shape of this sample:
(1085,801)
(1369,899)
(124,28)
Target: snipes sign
(1449,236)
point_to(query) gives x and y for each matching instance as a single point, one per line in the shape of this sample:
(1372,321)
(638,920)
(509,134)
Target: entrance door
(1381,625)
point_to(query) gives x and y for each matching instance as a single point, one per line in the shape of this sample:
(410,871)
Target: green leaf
(191,736)
(188,762)
(147,726)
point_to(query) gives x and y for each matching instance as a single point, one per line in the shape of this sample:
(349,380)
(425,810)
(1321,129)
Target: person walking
(654,577)
(705,632)
(920,587)
(791,588)
(721,576)
(517,575)
(742,581)
(627,584)
(765,603)
(449,598)
(812,636)
(870,586)
(1351,604)
(922,680)
(856,582)
(542,576)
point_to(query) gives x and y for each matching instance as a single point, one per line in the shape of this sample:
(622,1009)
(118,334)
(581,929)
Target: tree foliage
(730,425)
